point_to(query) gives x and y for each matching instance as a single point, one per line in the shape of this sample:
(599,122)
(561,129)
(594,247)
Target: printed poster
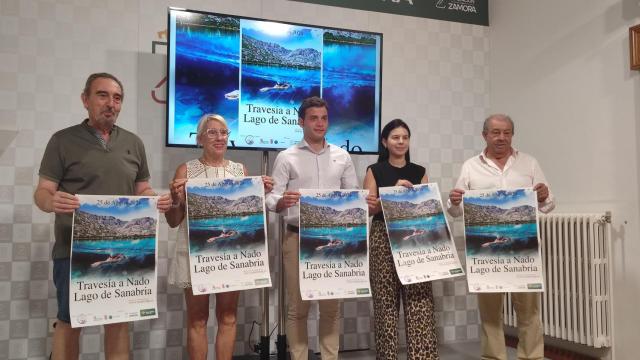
(502,244)
(334,246)
(113,260)
(419,234)
(227,242)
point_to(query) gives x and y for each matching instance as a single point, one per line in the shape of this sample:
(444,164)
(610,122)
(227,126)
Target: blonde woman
(213,135)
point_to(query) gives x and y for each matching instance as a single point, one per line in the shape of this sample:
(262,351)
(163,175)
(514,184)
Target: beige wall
(561,69)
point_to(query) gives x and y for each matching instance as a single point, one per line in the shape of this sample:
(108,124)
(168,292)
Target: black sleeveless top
(386,174)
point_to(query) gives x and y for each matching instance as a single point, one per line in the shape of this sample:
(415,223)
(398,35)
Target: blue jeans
(61,269)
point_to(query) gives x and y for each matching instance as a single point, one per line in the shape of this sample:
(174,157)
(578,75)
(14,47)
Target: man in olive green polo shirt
(94,157)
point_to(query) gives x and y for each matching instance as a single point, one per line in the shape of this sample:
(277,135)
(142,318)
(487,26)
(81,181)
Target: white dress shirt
(520,171)
(299,167)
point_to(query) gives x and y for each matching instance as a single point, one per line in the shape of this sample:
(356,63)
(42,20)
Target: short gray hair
(102,75)
(505,117)
(202,123)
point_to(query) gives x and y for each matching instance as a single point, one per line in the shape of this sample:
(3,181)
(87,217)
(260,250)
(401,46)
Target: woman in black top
(395,169)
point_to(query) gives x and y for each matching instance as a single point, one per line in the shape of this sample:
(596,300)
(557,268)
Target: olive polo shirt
(81,164)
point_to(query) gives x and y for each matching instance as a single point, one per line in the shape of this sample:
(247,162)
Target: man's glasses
(215,133)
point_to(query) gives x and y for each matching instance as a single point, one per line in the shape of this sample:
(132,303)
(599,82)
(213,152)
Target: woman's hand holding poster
(419,235)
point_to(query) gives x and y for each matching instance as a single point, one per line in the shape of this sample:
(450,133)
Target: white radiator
(576,255)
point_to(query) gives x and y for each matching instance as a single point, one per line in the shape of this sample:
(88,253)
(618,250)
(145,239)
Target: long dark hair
(393,124)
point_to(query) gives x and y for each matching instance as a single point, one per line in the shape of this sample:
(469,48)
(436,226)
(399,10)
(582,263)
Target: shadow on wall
(630,9)
(6,138)
(581,38)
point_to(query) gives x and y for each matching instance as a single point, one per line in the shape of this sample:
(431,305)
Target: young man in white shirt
(311,164)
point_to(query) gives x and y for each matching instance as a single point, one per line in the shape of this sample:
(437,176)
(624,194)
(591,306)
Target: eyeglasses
(214,133)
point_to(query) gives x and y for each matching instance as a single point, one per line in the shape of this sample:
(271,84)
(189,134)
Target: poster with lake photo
(502,244)
(334,244)
(227,242)
(113,260)
(281,66)
(419,235)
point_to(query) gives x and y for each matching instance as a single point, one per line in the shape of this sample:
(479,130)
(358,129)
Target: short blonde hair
(202,124)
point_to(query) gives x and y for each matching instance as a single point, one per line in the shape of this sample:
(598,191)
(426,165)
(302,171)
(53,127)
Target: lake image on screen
(278,86)
(280,66)
(333,242)
(207,73)
(226,233)
(409,233)
(349,86)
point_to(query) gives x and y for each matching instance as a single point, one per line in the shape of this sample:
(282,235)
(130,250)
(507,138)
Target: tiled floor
(455,351)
